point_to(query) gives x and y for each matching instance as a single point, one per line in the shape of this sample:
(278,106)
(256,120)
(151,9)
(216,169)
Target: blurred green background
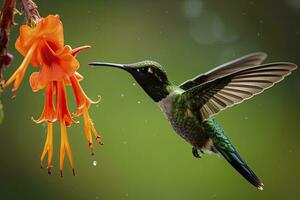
(142,157)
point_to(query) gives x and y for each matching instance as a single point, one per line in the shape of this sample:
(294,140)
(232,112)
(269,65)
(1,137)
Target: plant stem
(6,23)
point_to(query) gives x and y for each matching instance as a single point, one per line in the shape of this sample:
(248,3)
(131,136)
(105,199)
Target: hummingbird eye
(144,70)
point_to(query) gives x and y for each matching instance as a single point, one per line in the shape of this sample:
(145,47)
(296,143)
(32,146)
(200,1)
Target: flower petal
(78,49)
(82,100)
(35,84)
(49,113)
(47,29)
(63,112)
(18,75)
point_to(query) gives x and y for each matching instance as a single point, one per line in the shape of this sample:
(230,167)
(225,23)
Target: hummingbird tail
(223,145)
(240,165)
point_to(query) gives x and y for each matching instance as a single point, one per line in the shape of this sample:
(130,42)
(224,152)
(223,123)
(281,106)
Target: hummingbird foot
(196,153)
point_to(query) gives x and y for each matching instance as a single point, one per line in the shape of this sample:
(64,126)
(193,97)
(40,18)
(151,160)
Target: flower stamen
(65,147)
(48,147)
(90,128)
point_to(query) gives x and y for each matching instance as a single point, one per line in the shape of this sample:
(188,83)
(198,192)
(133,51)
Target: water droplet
(124,142)
(126,195)
(139,102)
(246,118)
(122,95)
(133,84)
(94,163)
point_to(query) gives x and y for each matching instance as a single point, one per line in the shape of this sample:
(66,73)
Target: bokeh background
(142,157)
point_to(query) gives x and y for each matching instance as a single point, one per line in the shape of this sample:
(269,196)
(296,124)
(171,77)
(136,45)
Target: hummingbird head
(150,75)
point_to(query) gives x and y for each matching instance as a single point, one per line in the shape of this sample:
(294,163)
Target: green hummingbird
(190,107)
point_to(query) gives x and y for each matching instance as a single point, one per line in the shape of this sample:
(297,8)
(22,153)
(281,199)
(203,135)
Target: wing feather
(226,69)
(216,95)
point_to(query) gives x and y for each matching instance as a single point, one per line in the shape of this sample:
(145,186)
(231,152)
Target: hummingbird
(191,106)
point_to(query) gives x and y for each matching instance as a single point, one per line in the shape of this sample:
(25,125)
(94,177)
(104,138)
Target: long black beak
(120,66)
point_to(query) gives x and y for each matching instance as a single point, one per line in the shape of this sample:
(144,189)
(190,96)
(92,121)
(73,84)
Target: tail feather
(240,165)
(223,145)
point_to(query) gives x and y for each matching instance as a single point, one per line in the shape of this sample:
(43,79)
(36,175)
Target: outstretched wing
(215,95)
(226,69)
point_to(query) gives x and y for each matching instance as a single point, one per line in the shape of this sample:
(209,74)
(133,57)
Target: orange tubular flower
(43,45)
(83,104)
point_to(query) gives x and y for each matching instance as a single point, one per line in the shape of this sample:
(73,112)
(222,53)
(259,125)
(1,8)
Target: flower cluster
(43,46)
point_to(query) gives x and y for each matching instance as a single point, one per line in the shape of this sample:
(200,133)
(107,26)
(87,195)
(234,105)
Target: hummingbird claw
(195,152)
